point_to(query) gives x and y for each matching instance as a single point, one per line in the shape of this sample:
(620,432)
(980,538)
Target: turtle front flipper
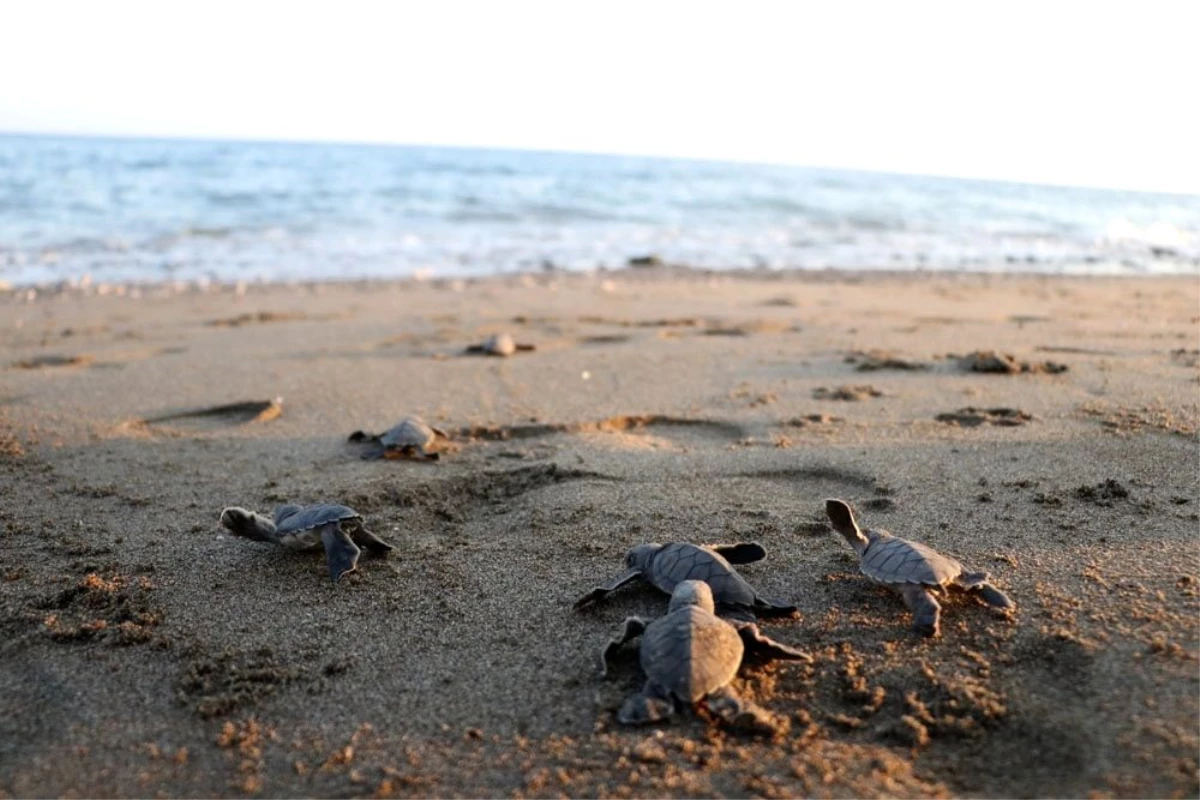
(742,715)
(606,588)
(341,553)
(652,704)
(925,609)
(978,582)
(766,647)
(740,553)
(364,538)
(248,525)
(376,448)
(632,628)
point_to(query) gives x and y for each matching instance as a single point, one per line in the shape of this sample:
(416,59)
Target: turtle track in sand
(455,498)
(706,429)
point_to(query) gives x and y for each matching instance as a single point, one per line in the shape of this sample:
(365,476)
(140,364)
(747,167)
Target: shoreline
(86,287)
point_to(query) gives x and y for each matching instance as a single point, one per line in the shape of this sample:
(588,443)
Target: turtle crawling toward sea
(912,569)
(667,565)
(690,656)
(498,344)
(337,529)
(409,438)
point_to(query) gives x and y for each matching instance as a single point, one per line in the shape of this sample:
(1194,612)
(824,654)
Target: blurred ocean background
(128,210)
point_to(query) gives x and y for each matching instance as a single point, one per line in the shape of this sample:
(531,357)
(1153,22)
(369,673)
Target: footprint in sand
(971,417)
(219,416)
(52,360)
(872,360)
(991,361)
(849,393)
(254,318)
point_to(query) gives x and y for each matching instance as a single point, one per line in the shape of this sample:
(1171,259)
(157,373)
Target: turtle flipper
(978,582)
(735,612)
(248,525)
(526,348)
(926,610)
(740,553)
(994,597)
(364,538)
(773,608)
(630,629)
(741,714)
(766,647)
(605,588)
(376,449)
(340,551)
(650,705)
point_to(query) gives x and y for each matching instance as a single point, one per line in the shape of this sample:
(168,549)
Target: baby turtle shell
(667,565)
(690,657)
(409,438)
(911,568)
(499,344)
(339,530)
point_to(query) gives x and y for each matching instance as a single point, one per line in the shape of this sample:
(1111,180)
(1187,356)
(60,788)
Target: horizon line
(542,150)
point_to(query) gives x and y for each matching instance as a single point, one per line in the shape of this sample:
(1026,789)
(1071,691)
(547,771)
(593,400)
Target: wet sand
(145,652)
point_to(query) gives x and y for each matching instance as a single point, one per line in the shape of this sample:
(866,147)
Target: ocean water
(121,210)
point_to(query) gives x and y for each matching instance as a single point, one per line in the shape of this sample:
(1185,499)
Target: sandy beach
(146,652)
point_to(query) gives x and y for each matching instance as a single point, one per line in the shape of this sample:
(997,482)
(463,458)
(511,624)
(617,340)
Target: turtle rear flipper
(735,612)
(364,538)
(740,553)
(742,715)
(925,609)
(650,705)
(978,582)
(341,553)
(773,608)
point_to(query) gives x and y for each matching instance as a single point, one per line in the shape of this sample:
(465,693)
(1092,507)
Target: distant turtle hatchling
(337,529)
(499,344)
(690,657)
(409,438)
(667,565)
(911,568)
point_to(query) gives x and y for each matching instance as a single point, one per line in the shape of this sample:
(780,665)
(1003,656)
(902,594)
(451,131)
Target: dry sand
(145,653)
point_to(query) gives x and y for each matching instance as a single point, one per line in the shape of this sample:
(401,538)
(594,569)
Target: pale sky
(1081,93)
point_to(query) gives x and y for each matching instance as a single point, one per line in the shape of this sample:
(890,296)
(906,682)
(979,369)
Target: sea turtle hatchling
(338,529)
(911,568)
(499,344)
(666,565)
(690,657)
(409,438)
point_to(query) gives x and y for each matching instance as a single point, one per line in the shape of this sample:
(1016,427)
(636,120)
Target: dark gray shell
(409,432)
(691,653)
(312,517)
(892,560)
(681,561)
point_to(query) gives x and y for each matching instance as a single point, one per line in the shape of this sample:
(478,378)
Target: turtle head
(285,511)
(639,558)
(841,516)
(692,593)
